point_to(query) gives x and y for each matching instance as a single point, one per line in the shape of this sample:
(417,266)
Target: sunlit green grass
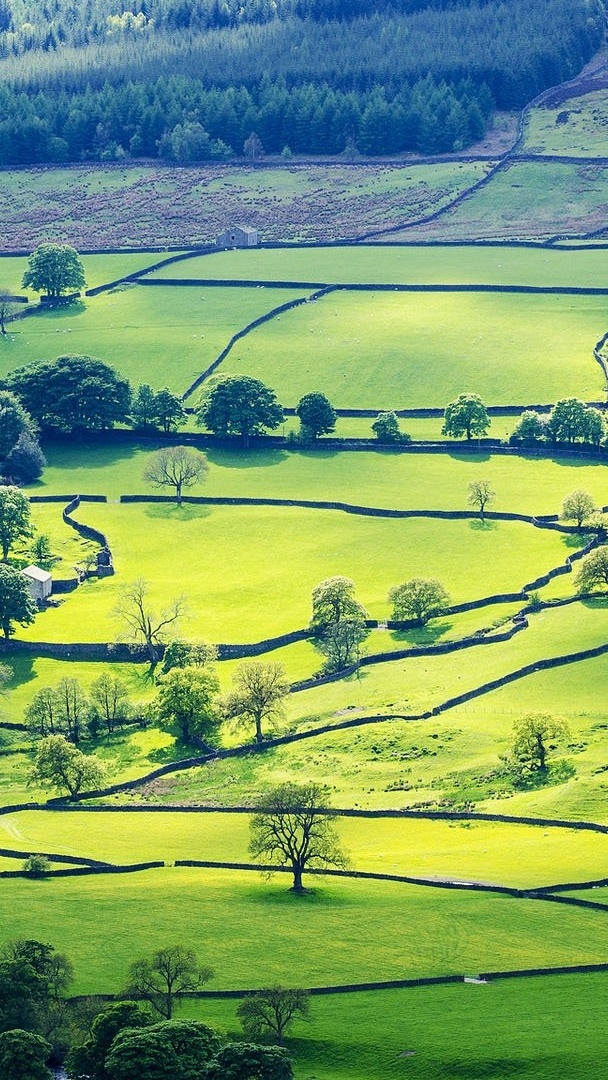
(165,337)
(398,265)
(520,856)
(535,1029)
(252,932)
(580,131)
(98,269)
(236,564)
(528,485)
(398,350)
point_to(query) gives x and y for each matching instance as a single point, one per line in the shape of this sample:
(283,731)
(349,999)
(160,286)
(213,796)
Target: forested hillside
(306,76)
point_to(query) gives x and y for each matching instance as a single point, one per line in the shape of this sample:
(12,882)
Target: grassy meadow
(247,573)
(576,126)
(395,351)
(251,931)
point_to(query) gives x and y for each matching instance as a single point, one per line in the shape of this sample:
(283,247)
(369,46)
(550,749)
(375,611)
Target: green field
(519,856)
(371,264)
(247,573)
(92,206)
(165,337)
(535,1029)
(402,930)
(224,599)
(524,484)
(525,200)
(576,126)
(388,351)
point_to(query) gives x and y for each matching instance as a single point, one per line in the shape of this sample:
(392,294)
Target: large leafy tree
(169,1050)
(240,405)
(54,269)
(248,1061)
(60,765)
(593,572)
(16,604)
(419,598)
(316,414)
(467,416)
(23,1056)
(88,1058)
(533,737)
(177,467)
(164,978)
(14,421)
(573,421)
(332,600)
(187,702)
(292,825)
(578,506)
(258,694)
(72,393)
(15,518)
(110,701)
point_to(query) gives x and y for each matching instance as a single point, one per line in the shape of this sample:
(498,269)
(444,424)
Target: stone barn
(239,236)
(39,583)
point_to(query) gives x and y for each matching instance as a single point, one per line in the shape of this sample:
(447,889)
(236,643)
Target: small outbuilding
(39,582)
(239,236)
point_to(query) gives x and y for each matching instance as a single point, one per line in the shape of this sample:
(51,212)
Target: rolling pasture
(386,738)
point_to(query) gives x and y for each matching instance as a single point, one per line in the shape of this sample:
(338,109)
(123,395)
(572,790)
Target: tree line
(178,119)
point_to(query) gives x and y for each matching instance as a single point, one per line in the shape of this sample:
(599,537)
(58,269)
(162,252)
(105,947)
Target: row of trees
(179,121)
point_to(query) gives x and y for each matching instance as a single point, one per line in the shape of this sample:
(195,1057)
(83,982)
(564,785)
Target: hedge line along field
(251,931)
(400,350)
(246,586)
(382,264)
(165,337)
(535,1029)
(524,483)
(522,856)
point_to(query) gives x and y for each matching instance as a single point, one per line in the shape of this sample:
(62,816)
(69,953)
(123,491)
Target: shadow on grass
(483,525)
(241,458)
(423,635)
(173,512)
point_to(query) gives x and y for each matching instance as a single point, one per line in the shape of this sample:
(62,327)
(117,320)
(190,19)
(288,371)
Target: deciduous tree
(88,1058)
(54,269)
(467,416)
(60,765)
(180,654)
(248,1061)
(164,978)
(533,737)
(141,623)
(340,642)
(292,824)
(170,1050)
(316,414)
(169,412)
(569,422)
(15,518)
(240,405)
(258,694)
(187,703)
(23,1056)
(110,701)
(72,393)
(333,600)
(386,428)
(593,572)
(178,467)
(272,1010)
(578,506)
(419,598)
(25,462)
(479,495)
(16,604)
(530,429)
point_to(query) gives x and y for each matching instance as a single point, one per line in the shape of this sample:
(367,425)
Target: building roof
(37,573)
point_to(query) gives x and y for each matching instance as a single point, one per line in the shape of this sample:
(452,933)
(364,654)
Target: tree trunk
(297,886)
(541,753)
(178,493)
(259,737)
